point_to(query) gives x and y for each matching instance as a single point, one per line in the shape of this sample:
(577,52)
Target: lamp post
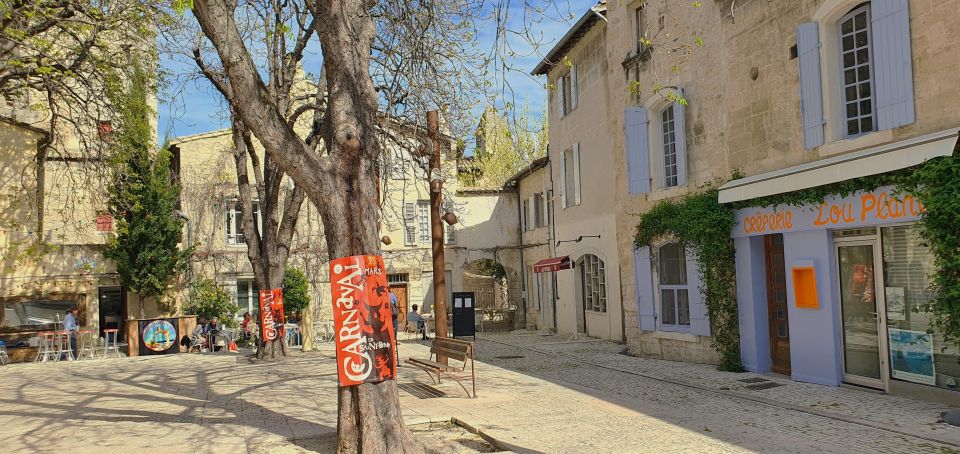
(436,226)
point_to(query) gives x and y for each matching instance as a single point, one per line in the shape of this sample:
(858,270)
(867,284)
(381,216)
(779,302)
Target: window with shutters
(423,222)
(234,222)
(567,91)
(674,292)
(593,283)
(856,80)
(410,223)
(639,31)
(856,74)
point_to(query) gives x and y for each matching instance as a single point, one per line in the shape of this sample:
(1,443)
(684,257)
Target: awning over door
(553,264)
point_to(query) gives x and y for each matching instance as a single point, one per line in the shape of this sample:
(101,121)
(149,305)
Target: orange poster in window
(363,321)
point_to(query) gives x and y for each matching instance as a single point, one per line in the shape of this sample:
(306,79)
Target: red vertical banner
(271,314)
(363,320)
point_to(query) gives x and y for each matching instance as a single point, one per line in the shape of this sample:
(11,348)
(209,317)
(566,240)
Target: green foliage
(207,299)
(936,184)
(143,198)
(698,222)
(296,291)
(492,268)
(506,147)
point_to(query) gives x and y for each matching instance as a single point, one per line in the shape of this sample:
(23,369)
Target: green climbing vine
(489,267)
(699,222)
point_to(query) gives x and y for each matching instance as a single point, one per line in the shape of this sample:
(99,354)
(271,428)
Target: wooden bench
(454,350)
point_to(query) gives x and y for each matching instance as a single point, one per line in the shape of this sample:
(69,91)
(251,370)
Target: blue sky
(193,106)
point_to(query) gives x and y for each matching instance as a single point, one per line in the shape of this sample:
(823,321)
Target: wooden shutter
(892,63)
(410,223)
(811,93)
(576,173)
(561,97)
(573,87)
(646,309)
(563,179)
(680,136)
(637,144)
(699,323)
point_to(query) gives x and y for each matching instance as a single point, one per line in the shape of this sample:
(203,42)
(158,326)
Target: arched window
(674,290)
(593,283)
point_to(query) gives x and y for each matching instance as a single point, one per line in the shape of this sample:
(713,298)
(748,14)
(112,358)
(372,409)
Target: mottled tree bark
(342,184)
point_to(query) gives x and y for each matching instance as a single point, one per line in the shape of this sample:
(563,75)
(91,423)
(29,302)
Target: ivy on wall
(699,222)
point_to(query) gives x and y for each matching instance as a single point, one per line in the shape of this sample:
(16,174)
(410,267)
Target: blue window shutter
(644,276)
(574,95)
(811,93)
(637,143)
(680,135)
(699,323)
(892,63)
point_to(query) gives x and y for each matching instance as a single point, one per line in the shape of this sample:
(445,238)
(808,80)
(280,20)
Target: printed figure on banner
(271,314)
(363,320)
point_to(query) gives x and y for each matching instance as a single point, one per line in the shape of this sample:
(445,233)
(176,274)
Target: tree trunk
(306,327)
(342,184)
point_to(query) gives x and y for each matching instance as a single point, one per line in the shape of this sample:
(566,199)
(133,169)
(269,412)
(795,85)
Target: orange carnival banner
(363,321)
(271,314)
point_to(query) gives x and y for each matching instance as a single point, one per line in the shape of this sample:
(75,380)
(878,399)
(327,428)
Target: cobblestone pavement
(536,394)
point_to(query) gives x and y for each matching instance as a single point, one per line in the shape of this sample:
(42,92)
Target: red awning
(553,264)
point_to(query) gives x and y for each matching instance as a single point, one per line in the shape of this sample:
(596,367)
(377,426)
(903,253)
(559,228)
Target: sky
(192,106)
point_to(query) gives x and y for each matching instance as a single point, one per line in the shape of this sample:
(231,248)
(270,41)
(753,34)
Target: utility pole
(436,226)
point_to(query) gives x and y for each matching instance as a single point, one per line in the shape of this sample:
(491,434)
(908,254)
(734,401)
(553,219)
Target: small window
(451,233)
(593,283)
(234,222)
(674,292)
(669,138)
(857,72)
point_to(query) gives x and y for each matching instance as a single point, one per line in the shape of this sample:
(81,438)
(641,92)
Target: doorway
(776,279)
(113,306)
(862,310)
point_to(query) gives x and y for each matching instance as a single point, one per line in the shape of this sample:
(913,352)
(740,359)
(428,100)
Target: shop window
(673,287)
(915,355)
(34,313)
(593,283)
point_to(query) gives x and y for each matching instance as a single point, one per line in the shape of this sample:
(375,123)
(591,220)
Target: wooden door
(401,292)
(777,304)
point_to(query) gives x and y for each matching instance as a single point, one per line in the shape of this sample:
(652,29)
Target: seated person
(246,325)
(215,329)
(415,317)
(199,335)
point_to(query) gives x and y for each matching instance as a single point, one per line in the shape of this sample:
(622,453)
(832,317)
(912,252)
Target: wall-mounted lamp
(386,240)
(579,239)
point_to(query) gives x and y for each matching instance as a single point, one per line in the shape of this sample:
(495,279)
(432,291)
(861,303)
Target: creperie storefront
(837,292)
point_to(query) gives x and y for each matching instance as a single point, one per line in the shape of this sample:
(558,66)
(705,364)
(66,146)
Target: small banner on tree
(363,321)
(271,314)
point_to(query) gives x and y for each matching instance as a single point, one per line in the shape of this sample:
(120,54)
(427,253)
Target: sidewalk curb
(747,397)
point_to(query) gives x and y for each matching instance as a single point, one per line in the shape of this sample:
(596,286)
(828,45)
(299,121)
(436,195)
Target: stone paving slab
(558,398)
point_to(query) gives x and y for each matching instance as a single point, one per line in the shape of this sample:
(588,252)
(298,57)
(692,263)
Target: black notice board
(158,337)
(464,307)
